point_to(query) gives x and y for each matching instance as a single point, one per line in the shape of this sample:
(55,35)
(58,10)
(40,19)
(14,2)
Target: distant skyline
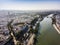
(29,4)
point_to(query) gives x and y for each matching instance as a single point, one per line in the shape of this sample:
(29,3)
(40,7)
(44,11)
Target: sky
(29,4)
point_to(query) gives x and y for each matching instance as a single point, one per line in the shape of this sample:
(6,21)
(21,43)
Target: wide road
(47,33)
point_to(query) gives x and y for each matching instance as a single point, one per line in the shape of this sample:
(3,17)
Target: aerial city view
(29,22)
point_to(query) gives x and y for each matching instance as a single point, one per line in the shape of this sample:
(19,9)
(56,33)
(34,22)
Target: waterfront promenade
(56,24)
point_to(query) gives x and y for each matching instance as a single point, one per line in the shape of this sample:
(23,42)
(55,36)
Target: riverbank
(56,22)
(56,28)
(47,33)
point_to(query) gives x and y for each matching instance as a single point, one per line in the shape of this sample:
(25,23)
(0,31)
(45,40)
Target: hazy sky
(29,4)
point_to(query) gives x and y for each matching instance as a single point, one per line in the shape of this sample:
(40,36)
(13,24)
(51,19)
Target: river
(47,33)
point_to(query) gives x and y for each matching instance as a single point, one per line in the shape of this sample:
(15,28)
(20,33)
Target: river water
(47,33)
